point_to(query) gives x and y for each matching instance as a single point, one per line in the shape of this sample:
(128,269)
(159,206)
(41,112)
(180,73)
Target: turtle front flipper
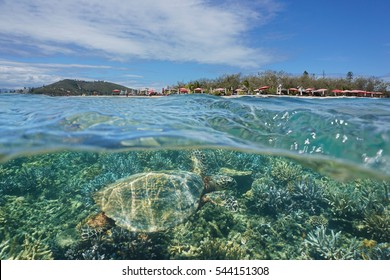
(203,200)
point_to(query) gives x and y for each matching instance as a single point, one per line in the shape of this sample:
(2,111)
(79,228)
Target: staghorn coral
(222,249)
(308,194)
(270,237)
(284,172)
(212,249)
(320,245)
(266,197)
(43,219)
(290,227)
(118,243)
(378,226)
(317,221)
(278,193)
(353,200)
(32,247)
(3,216)
(162,160)
(371,250)
(211,221)
(240,161)
(46,174)
(4,249)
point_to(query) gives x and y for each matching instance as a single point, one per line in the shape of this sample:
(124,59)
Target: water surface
(316,184)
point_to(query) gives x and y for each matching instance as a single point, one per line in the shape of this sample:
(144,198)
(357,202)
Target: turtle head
(219,183)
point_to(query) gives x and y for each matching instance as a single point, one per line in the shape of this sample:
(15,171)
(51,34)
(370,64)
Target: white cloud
(18,74)
(133,76)
(200,31)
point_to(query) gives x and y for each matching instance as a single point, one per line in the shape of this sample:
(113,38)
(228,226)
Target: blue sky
(155,43)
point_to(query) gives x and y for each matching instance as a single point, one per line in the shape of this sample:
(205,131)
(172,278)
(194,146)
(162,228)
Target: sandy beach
(228,96)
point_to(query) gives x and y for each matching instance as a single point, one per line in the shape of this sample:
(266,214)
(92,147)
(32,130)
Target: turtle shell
(153,201)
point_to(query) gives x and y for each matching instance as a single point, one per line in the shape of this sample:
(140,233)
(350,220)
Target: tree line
(273,79)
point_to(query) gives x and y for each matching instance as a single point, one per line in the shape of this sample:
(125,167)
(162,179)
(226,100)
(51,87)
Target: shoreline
(205,94)
(230,96)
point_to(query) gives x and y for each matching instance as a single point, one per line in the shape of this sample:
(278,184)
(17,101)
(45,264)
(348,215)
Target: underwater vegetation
(278,210)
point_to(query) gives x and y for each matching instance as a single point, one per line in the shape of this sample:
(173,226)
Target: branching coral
(284,172)
(371,250)
(378,226)
(222,249)
(317,221)
(40,218)
(333,246)
(31,248)
(212,221)
(266,197)
(354,199)
(119,243)
(307,194)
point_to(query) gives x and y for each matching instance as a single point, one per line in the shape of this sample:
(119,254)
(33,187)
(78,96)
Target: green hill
(77,87)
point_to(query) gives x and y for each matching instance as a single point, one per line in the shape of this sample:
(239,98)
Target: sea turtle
(155,201)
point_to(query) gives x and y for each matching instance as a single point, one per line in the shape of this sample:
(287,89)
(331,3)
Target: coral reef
(36,218)
(279,210)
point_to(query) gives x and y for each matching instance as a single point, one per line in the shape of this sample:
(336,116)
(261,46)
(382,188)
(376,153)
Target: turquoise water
(312,176)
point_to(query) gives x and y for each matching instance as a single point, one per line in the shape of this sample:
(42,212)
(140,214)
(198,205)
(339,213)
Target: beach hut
(262,89)
(152,92)
(377,94)
(309,91)
(220,90)
(198,90)
(358,92)
(183,90)
(116,91)
(293,90)
(239,91)
(320,91)
(337,91)
(346,92)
